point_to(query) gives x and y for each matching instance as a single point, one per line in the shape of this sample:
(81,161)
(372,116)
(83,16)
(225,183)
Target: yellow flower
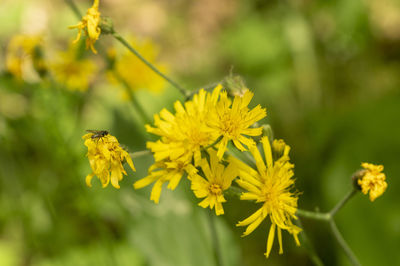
(134,72)
(218,179)
(271,185)
(73,72)
(372,180)
(233,120)
(184,134)
(105,158)
(161,172)
(22,49)
(90,25)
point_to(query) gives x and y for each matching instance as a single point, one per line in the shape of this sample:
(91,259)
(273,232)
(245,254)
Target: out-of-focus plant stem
(308,246)
(138,154)
(352,257)
(328,217)
(74,8)
(132,97)
(124,42)
(214,238)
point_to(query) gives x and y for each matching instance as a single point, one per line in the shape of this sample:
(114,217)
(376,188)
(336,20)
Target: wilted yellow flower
(183,134)
(22,49)
(233,122)
(218,179)
(134,72)
(73,72)
(161,172)
(271,185)
(105,158)
(372,180)
(90,25)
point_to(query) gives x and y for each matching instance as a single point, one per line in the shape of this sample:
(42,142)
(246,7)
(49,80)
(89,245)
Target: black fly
(98,134)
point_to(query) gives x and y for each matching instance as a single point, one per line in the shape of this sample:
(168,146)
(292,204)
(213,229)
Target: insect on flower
(98,134)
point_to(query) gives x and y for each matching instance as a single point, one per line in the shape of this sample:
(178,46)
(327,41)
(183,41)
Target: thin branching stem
(352,257)
(342,202)
(314,215)
(328,217)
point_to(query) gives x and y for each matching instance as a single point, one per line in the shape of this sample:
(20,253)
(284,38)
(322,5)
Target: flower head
(161,172)
(184,133)
(233,121)
(22,49)
(90,25)
(218,178)
(271,185)
(372,180)
(105,158)
(75,73)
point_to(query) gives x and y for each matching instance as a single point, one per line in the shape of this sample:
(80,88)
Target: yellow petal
(156,191)
(267,151)
(280,240)
(222,147)
(130,162)
(253,226)
(257,157)
(89,180)
(251,218)
(219,210)
(205,203)
(270,240)
(145,181)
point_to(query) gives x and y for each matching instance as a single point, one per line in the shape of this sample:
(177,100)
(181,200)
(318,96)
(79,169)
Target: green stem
(353,259)
(74,8)
(206,88)
(124,42)
(342,202)
(132,98)
(138,154)
(212,144)
(314,215)
(308,246)
(214,237)
(328,217)
(234,191)
(184,92)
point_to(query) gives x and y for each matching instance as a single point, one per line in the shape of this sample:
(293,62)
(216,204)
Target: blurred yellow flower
(22,49)
(233,122)
(372,180)
(133,71)
(73,72)
(105,158)
(90,25)
(161,172)
(218,179)
(270,185)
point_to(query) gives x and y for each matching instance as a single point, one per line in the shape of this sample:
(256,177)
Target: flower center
(197,138)
(229,125)
(215,189)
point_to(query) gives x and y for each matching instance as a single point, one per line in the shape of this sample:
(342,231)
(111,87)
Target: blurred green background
(328,73)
